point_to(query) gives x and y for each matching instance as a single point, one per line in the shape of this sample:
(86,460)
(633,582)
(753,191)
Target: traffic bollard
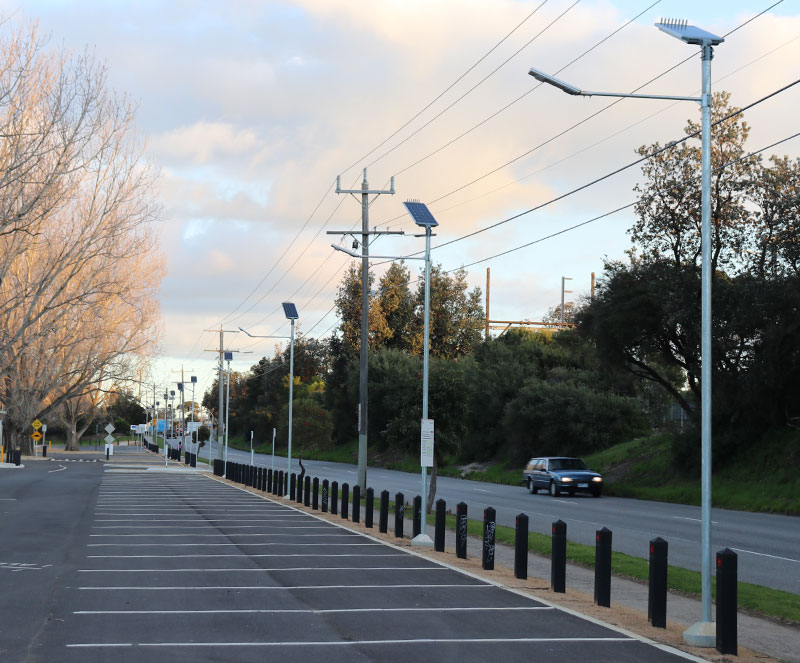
(307,492)
(334,497)
(441,521)
(383,522)
(345,501)
(417,519)
(489,527)
(369,508)
(269,480)
(727,579)
(461,530)
(558,558)
(399,512)
(521,547)
(325,495)
(602,568)
(657,590)
(315,494)
(292,485)
(356,503)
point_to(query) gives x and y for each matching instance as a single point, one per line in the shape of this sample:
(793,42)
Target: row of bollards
(325,496)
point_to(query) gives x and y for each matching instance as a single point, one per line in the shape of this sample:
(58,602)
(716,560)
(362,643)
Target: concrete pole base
(701,634)
(422,540)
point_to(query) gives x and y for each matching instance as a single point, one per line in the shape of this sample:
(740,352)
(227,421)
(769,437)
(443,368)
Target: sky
(250,109)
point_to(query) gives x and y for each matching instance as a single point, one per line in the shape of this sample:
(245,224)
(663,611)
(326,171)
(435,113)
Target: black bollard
(307,492)
(489,526)
(345,501)
(106,454)
(334,497)
(325,496)
(602,568)
(461,530)
(441,521)
(292,486)
(44,451)
(399,512)
(280,492)
(657,594)
(383,523)
(315,494)
(300,488)
(727,579)
(558,558)
(521,547)
(356,503)
(369,508)
(269,480)
(417,517)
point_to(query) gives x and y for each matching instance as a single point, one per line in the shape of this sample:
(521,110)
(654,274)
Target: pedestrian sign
(37,435)
(36,424)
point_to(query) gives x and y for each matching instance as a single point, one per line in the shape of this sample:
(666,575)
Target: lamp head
(555,82)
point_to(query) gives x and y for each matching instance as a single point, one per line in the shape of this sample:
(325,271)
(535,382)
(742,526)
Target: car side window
(541,465)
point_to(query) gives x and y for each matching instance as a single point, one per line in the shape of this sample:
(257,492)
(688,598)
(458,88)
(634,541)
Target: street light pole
(228,357)
(703,633)
(563,279)
(291,399)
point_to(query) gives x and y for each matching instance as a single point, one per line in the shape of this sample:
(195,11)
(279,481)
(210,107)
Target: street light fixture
(290,311)
(703,633)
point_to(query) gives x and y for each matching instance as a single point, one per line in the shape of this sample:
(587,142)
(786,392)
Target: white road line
(304,611)
(8,499)
(340,643)
(697,520)
(174,527)
(61,468)
(246,555)
(231,534)
(565,501)
(206,545)
(481,490)
(282,587)
(752,552)
(262,570)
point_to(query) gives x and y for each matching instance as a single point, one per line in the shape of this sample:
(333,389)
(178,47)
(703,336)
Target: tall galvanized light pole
(702,633)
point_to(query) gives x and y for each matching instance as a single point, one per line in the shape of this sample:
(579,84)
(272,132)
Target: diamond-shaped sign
(109,428)
(37,436)
(36,424)
(109,439)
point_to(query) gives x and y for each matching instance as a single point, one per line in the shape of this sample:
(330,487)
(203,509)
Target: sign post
(109,440)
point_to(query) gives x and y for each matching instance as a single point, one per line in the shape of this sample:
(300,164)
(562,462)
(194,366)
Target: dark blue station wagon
(561,474)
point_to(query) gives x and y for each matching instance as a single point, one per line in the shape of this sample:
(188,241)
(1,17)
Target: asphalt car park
(181,567)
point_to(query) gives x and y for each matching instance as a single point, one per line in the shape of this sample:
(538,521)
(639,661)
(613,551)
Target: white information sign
(109,439)
(426,443)
(109,428)
(141,428)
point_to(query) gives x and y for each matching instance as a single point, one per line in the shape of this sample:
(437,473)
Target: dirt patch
(620,616)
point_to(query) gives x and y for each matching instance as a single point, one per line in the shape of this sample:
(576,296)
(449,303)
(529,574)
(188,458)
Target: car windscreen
(567,464)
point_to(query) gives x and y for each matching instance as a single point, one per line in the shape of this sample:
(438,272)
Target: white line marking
(61,468)
(229,535)
(752,552)
(339,643)
(481,490)
(262,570)
(281,587)
(246,555)
(206,545)
(697,520)
(173,527)
(564,501)
(302,611)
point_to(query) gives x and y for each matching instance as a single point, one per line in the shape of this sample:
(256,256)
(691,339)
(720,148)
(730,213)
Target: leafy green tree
(123,409)
(397,306)
(312,426)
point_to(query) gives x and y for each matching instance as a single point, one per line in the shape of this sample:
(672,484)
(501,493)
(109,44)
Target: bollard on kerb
(307,492)
(489,527)
(383,522)
(441,522)
(602,568)
(657,594)
(315,494)
(356,503)
(461,530)
(325,495)
(417,516)
(345,501)
(106,453)
(369,508)
(269,480)
(334,501)
(300,488)
(399,513)
(521,547)
(727,579)
(281,481)
(558,558)
(292,486)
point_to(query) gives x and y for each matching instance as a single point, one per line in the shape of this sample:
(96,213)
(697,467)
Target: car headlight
(597,479)
(565,479)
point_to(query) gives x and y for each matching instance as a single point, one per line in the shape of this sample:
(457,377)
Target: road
(174,566)
(767,544)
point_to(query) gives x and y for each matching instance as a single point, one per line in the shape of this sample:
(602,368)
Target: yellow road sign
(37,436)
(36,424)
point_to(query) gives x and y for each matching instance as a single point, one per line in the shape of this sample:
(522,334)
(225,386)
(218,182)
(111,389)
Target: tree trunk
(432,486)
(72,437)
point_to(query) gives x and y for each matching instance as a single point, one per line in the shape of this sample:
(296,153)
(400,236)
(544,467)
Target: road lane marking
(231,534)
(697,520)
(753,552)
(206,545)
(281,587)
(340,643)
(322,611)
(262,570)
(61,468)
(247,555)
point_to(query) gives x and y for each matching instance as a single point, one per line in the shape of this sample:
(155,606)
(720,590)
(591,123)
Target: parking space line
(162,588)
(310,611)
(262,570)
(245,555)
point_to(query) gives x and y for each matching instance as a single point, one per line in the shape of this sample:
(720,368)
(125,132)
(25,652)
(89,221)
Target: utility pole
(221,351)
(365,192)
(181,389)
(563,279)
(488,273)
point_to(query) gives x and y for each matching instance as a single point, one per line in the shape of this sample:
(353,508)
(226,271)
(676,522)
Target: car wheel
(532,489)
(596,492)
(555,491)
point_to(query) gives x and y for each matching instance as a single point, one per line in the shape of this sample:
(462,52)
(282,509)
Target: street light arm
(256,336)
(358,255)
